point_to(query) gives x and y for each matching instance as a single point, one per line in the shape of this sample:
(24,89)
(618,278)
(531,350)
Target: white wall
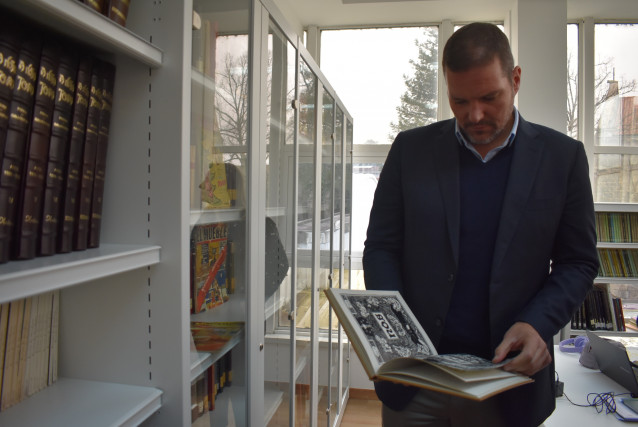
(539,41)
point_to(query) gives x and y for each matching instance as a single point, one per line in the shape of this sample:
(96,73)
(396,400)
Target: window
(615,162)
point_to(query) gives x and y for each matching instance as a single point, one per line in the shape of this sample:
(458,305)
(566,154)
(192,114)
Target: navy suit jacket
(545,257)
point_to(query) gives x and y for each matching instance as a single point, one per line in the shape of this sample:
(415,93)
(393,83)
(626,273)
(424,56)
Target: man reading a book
(485,224)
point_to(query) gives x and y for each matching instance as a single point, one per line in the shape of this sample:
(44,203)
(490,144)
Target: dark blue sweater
(482,189)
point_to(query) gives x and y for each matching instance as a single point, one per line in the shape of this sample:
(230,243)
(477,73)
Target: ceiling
(343,13)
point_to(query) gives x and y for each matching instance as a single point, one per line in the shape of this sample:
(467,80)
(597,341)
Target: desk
(579,381)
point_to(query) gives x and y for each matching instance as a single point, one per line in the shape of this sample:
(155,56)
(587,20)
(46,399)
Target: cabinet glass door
(280,172)
(218,159)
(305,212)
(346,245)
(327,277)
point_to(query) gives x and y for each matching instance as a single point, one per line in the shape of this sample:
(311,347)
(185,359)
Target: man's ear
(516,78)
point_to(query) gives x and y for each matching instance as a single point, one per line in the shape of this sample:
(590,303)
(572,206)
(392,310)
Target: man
(485,224)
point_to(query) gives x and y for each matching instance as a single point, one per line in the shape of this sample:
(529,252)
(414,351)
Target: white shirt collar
(494,151)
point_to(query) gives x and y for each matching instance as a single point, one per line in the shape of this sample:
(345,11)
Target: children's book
(393,346)
(209,248)
(213,336)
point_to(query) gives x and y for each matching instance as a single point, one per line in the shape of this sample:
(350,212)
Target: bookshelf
(125,354)
(617,283)
(115,299)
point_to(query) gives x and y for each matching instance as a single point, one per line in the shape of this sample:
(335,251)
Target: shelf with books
(94,403)
(79,22)
(23,278)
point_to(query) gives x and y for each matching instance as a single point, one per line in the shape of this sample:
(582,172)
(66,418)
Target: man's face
(482,100)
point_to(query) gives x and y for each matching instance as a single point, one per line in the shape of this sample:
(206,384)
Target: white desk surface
(579,382)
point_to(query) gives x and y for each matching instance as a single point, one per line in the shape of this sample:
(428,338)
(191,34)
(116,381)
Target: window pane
(616,114)
(572,80)
(391,78)
(616,178)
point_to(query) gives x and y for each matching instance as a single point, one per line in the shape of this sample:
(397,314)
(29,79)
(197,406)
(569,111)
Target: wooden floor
(363,409)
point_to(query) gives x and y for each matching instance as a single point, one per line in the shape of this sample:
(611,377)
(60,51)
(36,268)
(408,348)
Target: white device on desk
(614,362)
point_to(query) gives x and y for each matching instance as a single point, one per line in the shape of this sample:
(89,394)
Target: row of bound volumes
(620,227)
(55,108)
(208,385)
(599,311)
(618,262)
(28,346)
(115,10)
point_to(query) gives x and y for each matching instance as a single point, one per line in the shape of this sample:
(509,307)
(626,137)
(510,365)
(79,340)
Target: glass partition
(218,161)
(280,136)
(305,297)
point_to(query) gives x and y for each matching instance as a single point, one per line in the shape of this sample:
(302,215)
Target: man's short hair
(475,45)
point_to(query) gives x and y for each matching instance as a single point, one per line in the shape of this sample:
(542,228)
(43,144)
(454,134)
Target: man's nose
(475,113)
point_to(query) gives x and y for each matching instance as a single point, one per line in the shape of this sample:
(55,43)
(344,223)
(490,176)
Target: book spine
(118,11)
(97,5)
(56,170)
(83,215)
(37,153)
(15,144)
(108,81)
(74,157)
(9,48)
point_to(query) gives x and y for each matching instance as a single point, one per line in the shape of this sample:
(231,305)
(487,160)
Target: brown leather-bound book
(74,156)
(97,5)
(108,81)
(10,36)
(37,153)
(87,176)
(56,170)
(17,134)
(118,11)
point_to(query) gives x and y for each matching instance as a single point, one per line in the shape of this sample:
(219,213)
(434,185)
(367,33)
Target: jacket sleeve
(574,257)
(384,241)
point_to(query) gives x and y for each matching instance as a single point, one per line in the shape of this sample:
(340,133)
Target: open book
(393,346)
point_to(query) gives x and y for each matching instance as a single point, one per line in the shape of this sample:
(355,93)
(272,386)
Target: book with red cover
(95,221)
(209,248)
(20,118)
(73,170)
(56,170)
(37,153)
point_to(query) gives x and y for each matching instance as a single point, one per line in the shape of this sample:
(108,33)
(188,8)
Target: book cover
(10,36)
(95,221)
(393,346)
(58,147)
(214,189)
(213,336)
(73,171)
(20,119)
(37,153)
(118,11)
(87,176)
(209,248)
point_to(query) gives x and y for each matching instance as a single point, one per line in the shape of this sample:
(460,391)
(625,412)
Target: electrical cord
(600,401)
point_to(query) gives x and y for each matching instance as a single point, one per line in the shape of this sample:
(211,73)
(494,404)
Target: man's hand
(533,356)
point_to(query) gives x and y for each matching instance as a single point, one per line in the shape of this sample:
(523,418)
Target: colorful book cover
(209,248)
(215,194)
(213,336)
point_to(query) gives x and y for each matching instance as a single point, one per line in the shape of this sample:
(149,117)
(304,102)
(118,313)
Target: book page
(389,329)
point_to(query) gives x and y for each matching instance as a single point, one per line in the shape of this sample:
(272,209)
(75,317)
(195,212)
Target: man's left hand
(533,356)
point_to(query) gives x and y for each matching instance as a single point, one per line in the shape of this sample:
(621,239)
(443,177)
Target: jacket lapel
(446,154)
(525,161)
